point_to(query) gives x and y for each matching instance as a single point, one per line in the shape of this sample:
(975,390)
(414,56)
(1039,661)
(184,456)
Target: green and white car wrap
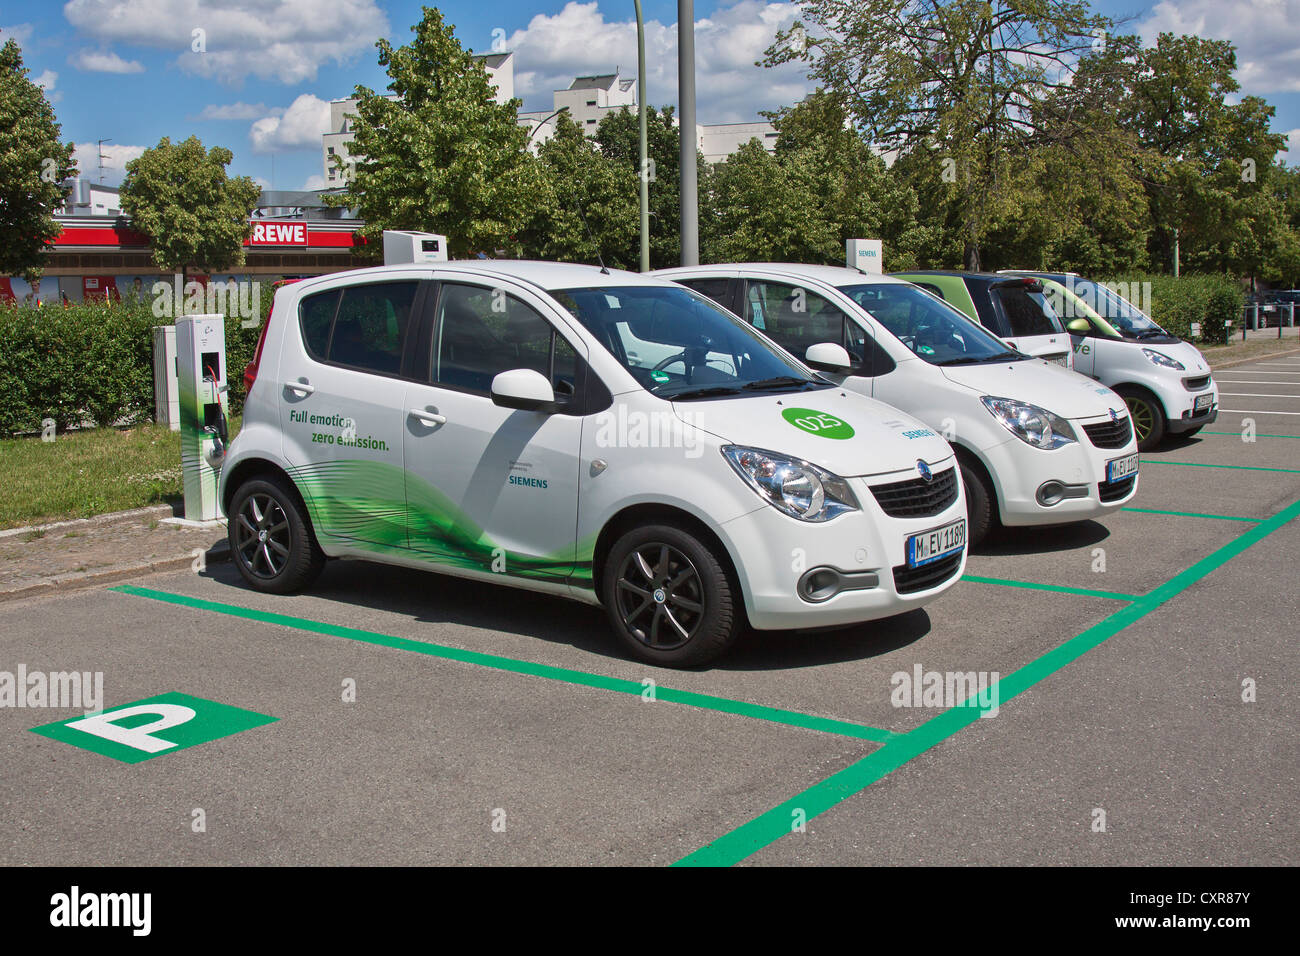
(407,468)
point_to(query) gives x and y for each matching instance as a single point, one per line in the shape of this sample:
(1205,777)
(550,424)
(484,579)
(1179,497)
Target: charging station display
(201,383)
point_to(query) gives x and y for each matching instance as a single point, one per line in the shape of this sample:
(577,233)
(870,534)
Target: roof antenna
(581,215)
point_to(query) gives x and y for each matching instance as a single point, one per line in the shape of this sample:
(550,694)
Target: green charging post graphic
(201,384)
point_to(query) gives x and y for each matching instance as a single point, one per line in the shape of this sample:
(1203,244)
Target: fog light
(1050,493)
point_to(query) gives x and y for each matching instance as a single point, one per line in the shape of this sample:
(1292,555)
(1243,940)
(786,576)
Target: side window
(795,317)
(1027,314)
(715,289)
(315,316)
(370,326)
(932,289)
(482,332)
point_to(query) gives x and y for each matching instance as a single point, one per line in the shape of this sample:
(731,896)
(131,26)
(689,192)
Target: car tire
(981,503)
(271,540)
(669,598)
(1147,415)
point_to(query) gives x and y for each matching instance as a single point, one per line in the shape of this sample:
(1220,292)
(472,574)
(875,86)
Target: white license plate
(1203,402)
(1061,360)
(1118,468)
(936,543)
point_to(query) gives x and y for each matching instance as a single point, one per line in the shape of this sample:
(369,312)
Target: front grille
(1197,384)
(916,497)
(1110,434)
(1115,490)
(910,580)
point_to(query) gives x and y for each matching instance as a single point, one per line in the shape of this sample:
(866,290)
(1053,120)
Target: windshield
(1082,298)
(929,326)
(679,345)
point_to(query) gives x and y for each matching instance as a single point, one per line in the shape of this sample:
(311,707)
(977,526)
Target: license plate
(1118,468)
(1203,402)
(1061,360)
(936,543)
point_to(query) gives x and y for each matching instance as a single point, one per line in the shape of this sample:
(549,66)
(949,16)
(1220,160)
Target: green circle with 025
(818,423)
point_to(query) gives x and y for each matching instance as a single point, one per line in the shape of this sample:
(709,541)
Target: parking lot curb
(108,518)
(113,574)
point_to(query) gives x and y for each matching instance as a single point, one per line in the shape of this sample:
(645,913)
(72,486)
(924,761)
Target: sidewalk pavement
(92,552)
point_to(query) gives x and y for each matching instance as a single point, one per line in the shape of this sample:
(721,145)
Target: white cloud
(1265,32)
(287,41)
(22,32)
(314,182)
(86,156)
(237,111)
(299,126)
(578,40)
(104,61)
(47,80)
(1291,154)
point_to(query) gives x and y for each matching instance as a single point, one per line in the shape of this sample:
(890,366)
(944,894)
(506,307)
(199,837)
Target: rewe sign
(279,234)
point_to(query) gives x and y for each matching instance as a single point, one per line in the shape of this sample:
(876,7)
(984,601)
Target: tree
(953,82)
(440,154)
(1201,159)
(33,166)
(581,189)
(178,194)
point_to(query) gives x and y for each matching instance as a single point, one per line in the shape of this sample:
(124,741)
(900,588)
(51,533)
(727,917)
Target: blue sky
(125,70)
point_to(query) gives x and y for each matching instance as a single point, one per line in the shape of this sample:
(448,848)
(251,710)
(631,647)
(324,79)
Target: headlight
(1164,361)
(1029,423)
(799,489)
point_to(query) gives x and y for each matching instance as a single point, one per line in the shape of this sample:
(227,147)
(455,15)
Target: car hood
(842,431)
(1040,383)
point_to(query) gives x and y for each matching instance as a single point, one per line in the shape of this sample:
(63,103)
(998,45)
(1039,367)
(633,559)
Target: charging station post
(201,384)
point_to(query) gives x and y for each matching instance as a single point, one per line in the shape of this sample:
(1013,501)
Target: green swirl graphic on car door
(381,507)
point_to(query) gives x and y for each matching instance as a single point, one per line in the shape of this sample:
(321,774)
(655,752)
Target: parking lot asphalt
(502,727)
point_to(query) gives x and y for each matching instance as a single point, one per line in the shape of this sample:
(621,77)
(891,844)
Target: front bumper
(775,552)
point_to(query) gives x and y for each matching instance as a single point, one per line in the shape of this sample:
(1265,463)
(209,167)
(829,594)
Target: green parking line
(767,828)
(1200,464)
(1035,586)
(1190,514)
(705,701)
(1238,435)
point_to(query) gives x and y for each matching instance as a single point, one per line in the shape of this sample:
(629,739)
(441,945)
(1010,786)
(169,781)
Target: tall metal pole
(686,106)
(645,166)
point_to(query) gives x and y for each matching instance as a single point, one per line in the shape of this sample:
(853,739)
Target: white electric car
(1165,381)
(1037,443)
(600,435)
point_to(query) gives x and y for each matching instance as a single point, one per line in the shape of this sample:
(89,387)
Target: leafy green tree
(950,82)
(196,217)
(33,166)
(582,189)
(1202,159)
(440,154)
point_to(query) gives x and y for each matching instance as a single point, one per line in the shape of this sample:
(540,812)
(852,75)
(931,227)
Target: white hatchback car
(599,435)
(1038,444)
(1165,381)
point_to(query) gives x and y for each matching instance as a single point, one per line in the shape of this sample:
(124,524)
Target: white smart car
(1038,444)
(599,435)
(1165,381)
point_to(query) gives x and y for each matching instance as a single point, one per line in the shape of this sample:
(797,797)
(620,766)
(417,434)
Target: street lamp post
(562,109)
(690,220)
(644,173)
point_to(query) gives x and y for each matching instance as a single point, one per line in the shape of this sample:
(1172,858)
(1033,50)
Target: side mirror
(523,388)
(1079,326)
(828,357)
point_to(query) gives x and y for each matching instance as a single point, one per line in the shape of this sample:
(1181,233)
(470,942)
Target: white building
(89,198)
(587,100)
(501,74)
(720,140)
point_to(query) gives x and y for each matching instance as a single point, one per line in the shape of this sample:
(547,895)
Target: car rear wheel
(271,540)
(1148,417)
(668,597)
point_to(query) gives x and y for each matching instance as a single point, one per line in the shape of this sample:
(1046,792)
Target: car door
(492,488)
(341,406)
(1031,324)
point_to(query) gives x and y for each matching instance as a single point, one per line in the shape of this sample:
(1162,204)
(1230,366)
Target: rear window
(1027,313)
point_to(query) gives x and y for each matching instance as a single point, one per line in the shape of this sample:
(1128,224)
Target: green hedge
(1211,300)
(93,362)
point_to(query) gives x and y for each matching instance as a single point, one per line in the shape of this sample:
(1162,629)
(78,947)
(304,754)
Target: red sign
(279,234)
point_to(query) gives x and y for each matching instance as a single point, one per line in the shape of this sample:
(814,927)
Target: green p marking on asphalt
(133,733)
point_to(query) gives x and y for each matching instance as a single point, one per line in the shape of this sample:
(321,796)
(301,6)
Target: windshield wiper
(1150,334)
(962,360)
(781,381)
(702,392)
(1009,354)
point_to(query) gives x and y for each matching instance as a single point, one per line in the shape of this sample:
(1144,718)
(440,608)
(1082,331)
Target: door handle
(304,387)
(429,418)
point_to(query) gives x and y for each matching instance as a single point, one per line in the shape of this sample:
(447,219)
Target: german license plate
(1118,468)
(1204,401)
(1061,360)
(936,543)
